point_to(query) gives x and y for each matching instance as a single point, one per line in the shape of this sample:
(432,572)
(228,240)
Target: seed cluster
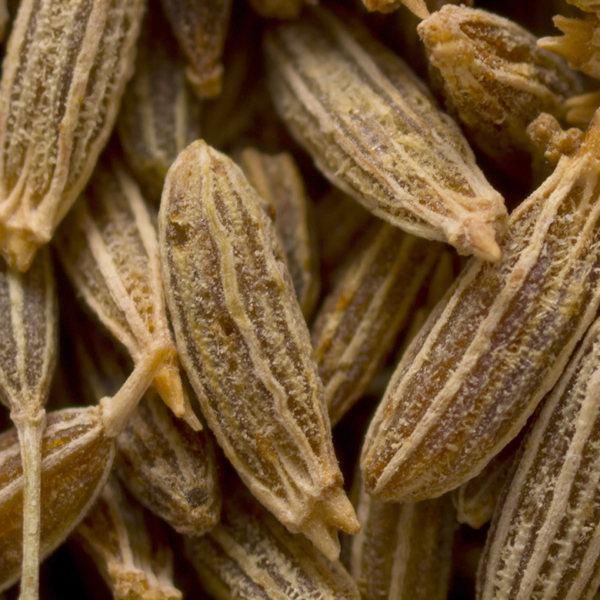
(295,299)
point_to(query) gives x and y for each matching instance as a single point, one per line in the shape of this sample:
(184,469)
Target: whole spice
(373,129)
(63,75)
(245,346)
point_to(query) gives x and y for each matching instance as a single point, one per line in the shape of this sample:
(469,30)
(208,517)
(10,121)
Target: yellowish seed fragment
(374,130)
(245,346)
(63,76)
(418,7)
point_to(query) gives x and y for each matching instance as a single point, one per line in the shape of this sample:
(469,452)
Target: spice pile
(242,227)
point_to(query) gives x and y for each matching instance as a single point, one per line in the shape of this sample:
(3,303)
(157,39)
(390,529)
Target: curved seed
(373,129)
(65,70)
(494,346)
(109,248)
(245,346)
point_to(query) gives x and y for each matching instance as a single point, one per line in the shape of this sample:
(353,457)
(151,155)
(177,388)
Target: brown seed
(374,130)
(245,345)
(129,547)
(108,245)
(493,348)
(200,28)
(63,75)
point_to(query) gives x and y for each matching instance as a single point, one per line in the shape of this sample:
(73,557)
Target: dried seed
(418,7)
(65,70)
(581,109)
(579,44)
(109,248)
(250,555)
(493,348)
(129,547)
(28,351)
(382,140)
(356,326)
(245,346)
(403,551)
(77,454)
(159,115)
(277,180)
(545,539)
(495,80)
(476,499)
(200,29)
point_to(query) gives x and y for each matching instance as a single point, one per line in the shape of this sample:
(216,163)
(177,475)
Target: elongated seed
(160,115)
(403,551)
(109,248)
(245,346)
(277,181)
(77,454)
(361,317)
(545,536)
(373,129)
(250,555)
(496,345)
(581,109)
(200,27)
(495,80)
(65,70)
(28,352)
(129,547)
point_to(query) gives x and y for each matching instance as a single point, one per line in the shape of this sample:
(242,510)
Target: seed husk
(64,73)
(249,554)
(495,345)
(245,345)
(28,352)
(129,547)
(108,245)
(374,130)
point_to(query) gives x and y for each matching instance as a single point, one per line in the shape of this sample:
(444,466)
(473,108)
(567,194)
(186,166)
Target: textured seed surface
(579,44)
(245,346)
(277,180)
(28,351)
(65,70)
(356,326)
(109,248)
(200,29)
(159,115)
(169,468)
(403,551)
(581,109)
(250,555)
(129,547)
(545,539)
(373,129)
(492,349)
(495,80)
(418,7)
(76,460)
(476,499)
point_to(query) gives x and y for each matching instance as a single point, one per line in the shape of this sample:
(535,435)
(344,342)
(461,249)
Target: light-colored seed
(28,352)
(496,345)
(495,80)
(277,181)
(418,7)
(77,454)
(373,129)
(476,499)
(549,139)
(579,45)
(200,28)
(356,326)
(277,9)
(587,5)
(128,546)
(581,109)
(109,248)
(403,551)
(159,115)
(544,541)
(63,75)
(250,555)
(245,345)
